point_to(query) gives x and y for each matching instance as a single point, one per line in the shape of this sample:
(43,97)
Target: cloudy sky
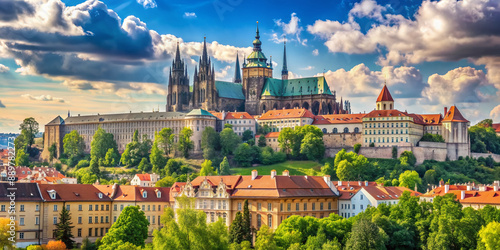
(113,55)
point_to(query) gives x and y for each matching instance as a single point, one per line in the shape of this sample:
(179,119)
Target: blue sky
(113,56)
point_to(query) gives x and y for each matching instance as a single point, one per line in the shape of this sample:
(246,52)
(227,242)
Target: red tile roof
(489,196)
(385,113)
(385,95)
(72,192)
(350,188)
(454,115)
(229,180)
(496,127)
(232,115)
(340,118)
(388,193)
(134,193)
(286,114)
(144,177)
(431,119)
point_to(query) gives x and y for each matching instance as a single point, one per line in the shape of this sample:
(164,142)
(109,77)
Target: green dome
(257,41)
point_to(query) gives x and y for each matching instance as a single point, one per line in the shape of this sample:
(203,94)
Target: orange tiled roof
(388,193)
(350,188)
(286,114)
(385,113)
(229,180)
(385,95)
(72,192)
(339,118)
(496,127)
(454,115)
(231,115)
(134,193)
(431,119)
(489,196)
(144,177)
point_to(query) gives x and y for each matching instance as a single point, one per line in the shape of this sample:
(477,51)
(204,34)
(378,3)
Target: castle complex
(256,91)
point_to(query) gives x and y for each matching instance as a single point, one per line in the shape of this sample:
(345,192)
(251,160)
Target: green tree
(432,138)
(189,229)
(5,243)
(94,167)
(490,236)
(312,146)
(224,167)
(285,139)
(229,140)
(63,228)
(101,143)
(408,157)
(112,158)
(167,137)
(206,168)
(365,235)
(327,169)
(144,165)
(243,155)
(185,143)
(210,139)
(73,144)
(351,166)
(430,176)
(246,223)
(247,135)
(156,157)
(409,179)
(265,239)
(29,129)
(262,141)
(52,152)
(357,147)
(166,181)
(236,233)
(22,159)
(131,226)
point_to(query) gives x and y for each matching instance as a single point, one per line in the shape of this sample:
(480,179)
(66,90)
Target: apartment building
(286,118)
(241,121)
(145,180)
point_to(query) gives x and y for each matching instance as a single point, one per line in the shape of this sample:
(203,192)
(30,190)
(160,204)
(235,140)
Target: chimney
(366,183)
(286,173)
(446,188)
(469,187)
(445,111)
(340,183)
(327,179)
(416,189)
(462,195)
(495,188)
(254,174)
(273,173)
(360,183)
(441,183)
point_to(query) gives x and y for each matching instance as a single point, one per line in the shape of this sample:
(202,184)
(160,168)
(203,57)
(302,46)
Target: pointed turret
(177,53)
(237,73)
(384,100)
(257,42)
(204,57)
(284,71)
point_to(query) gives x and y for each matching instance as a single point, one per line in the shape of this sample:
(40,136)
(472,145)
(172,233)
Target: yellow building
(27,207)
(286,118)
(90,210)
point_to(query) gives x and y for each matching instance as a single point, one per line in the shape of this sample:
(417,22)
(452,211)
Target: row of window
(239,122)
(385,140)
(205,204)
(335,130)
(348,206)
(369,131)
(382,125)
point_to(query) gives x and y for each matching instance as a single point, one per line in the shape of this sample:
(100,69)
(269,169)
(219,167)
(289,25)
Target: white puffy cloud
(292,75)
(189,15)
(43,98)
(291,28)
(315,52)
(495,114)
(360,81)
(460,85)
(445,30)
(147,3)
(4,69)
(223,73)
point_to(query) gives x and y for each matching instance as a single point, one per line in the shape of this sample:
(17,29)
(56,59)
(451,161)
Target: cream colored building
(240,121)
(469,194)
(145,180)
(278,119)
(28,211)
(122,126)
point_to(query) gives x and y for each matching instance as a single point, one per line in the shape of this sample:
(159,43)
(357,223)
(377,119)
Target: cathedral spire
(204,57)
(177,54)
(284,71)
(257,42)
(237,74)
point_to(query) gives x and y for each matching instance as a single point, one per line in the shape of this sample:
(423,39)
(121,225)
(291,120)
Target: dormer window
(158,194)
(100,195)
(52,194)
(144,194)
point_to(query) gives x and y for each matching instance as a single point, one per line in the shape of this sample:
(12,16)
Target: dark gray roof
(24,192)
(124,117)
(57,121)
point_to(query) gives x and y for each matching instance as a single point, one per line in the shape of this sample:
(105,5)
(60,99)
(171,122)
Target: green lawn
(295,168)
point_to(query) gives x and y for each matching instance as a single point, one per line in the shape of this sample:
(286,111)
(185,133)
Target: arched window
(259,220)
(269,221)
(324,131)
(334,130)
(356,130)
(346,130)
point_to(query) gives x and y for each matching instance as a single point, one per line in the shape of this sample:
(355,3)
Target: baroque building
(254,91)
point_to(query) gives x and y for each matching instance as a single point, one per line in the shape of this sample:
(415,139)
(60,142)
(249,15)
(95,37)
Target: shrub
(357,147)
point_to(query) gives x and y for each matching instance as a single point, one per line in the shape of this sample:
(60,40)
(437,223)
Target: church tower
(204,92)
(284,71)
(178,85)
(255,71)
(384,100)
(237,74)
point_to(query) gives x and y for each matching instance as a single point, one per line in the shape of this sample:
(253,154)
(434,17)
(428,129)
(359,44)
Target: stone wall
(341,140)
(494,156)
(429,152)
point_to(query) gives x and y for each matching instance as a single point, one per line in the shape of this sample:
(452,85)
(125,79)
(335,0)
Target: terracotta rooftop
(339,118)
(270,135)
(431,119)
(144,177)
(385,95)
(347,189)
(286,114)
(72,192)
(454,115)
(388,193)
(232,115)
(473,196)
(496,127)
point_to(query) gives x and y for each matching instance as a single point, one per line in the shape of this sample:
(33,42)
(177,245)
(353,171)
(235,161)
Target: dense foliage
(131,226)
(483,138)
(302,142)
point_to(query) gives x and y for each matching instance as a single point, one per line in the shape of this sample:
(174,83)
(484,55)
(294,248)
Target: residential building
(152,200)
(286,118)
(27,209)
(145,180)
(240,121)
(271,140)
(372,196)
(44,175)
(468,194)
(339,124)
(347,190)
(89,208)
